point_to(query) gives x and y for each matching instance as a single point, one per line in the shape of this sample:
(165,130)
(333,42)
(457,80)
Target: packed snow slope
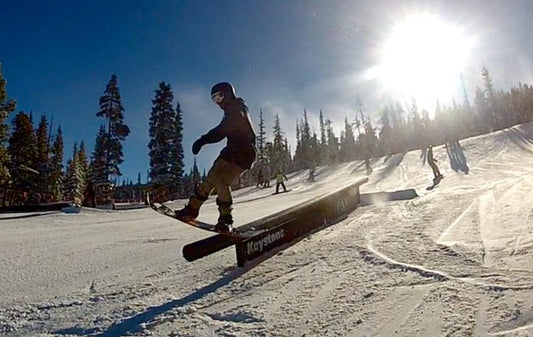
(456,261)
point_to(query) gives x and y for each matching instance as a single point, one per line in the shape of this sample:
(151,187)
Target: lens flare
(423,59)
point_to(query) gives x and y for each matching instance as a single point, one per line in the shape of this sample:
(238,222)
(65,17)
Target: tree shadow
(392,161)
(134,324)
(457,157)
(521,139)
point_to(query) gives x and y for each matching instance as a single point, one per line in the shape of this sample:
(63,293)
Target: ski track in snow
(456,261)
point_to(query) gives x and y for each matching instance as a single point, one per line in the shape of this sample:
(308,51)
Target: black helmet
(224,87)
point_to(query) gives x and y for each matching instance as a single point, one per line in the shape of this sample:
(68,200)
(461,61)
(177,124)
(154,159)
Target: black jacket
(237,128)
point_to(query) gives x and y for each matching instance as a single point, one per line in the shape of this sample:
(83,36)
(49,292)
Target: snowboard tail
(436,181)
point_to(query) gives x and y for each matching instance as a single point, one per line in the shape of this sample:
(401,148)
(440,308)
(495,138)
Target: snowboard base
(162,209)
(237,234)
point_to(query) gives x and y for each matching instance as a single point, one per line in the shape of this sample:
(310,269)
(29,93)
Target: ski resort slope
(455,261)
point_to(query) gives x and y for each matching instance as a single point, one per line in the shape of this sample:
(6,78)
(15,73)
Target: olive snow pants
(220,177)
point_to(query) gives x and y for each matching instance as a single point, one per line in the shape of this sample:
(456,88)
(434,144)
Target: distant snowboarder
(279,181)
(237,157)
(431,161)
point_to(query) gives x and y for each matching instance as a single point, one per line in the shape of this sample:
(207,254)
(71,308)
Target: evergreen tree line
(31,157)
(32,166)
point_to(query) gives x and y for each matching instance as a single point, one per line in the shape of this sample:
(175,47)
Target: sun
(423,59)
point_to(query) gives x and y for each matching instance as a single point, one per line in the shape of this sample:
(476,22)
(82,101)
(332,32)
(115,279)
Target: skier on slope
(431,161)
(237,157)
(280,176)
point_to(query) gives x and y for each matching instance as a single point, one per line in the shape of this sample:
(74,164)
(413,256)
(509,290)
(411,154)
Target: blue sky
(282,56)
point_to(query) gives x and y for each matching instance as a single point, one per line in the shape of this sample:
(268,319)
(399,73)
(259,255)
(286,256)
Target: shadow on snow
(134,324)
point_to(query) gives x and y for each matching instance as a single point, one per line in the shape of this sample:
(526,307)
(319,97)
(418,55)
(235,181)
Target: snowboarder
(279,181)
(431,162)
(237,157)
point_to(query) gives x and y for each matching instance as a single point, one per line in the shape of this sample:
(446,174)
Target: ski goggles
(217,97)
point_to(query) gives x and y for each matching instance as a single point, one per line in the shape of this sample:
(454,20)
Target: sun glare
(423,59)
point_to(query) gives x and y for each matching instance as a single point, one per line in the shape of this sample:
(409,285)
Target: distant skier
(266,174)
(312,170)
(260,177)
(237,157)
(89,196)
(279,181)
(431,162)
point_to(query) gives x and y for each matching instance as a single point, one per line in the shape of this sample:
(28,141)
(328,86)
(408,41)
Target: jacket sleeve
(229,125)
(217,133)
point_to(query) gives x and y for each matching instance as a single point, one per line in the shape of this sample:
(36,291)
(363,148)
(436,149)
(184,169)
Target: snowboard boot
(188,213)
(225,219)
(191,210)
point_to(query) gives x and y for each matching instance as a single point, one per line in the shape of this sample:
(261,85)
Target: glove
(197,145)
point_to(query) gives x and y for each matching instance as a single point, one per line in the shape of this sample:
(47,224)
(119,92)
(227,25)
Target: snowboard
(235,234)
(436,181)
(281,192)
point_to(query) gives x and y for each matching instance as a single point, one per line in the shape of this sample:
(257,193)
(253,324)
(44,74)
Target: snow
(455,261)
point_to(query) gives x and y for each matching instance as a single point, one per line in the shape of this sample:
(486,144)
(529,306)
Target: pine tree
(74,184)
(83,163)
(306,133)
(42,160)
(195,173)
(386,133)
(177,164)
(314,155)
(323,140)
(97,171)
(192,179)
(333,144)
(307,142)
(165,148)
(303,152)
(286,155)
(493,118)
(261,137)
(482,108)
(56,166)
(399,127)
(278,158)
(299,156)
(22,150)
(111,109)
(359,115)
(371,140)
(6,107)
(347,145)
(417,136)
